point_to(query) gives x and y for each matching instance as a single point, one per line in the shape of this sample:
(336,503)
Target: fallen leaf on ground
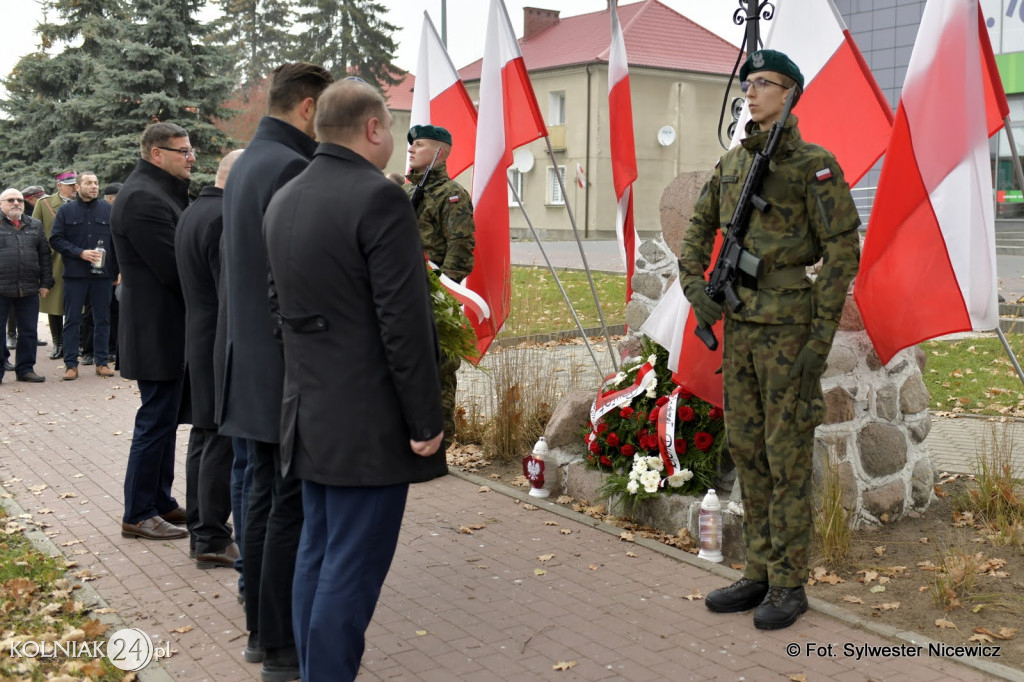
(483,489)
(539,571)
(183,629)
(878,588)
(564,665)
(530,507)
(943,623)
(545,557)
(880,550)
(866,576)
(852,600)
(420,633)
(626,536)
(1004,633)
(693,595)
(797,677)
(551,523)
(632,555)
(593,567)
(980,637)
(888,606)
(565,531)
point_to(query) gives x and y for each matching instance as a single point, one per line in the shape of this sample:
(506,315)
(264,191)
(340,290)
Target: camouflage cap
(429,132)
(771,60)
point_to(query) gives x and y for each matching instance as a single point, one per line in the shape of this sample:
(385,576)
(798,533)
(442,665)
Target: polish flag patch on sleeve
(824,174)
(453,199)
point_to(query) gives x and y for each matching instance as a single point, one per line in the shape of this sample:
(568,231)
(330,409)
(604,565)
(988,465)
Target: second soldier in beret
(777,344)
(445,214)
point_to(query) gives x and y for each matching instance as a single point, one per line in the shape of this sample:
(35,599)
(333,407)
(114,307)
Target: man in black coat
(251,373)
(151,347)
(209,459)
(360,346)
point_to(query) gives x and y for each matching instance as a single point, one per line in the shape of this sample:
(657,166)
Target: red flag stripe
(453,109)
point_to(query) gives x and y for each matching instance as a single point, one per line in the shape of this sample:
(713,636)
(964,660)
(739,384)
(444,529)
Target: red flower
(684,394)
(642,432)
(703,440)
(654,415)
(602,427)
(613,439)
(594,447)
(661,401)
(605,461)
(680,446)
(715,413)
(686,413)
(628,450)
(649,442)
(626,412)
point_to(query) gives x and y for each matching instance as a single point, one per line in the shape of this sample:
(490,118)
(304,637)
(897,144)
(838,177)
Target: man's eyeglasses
(184,151)
(15,201)
(759,84)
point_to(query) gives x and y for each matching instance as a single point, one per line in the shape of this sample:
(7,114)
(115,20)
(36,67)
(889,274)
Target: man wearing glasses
(25,275)
(777,343)
(151,347)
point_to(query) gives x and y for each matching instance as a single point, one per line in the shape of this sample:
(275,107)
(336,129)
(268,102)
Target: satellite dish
(522,159)
(666,136)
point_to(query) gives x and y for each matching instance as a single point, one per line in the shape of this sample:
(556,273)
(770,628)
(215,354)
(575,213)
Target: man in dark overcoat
(209,458)
(152,330)
(360,346)
(251,373)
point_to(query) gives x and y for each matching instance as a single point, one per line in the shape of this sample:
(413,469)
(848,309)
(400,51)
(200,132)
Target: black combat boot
(280,665)
(742,595)
(58,352)
(780,608)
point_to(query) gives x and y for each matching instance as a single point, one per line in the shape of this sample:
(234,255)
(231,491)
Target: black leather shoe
(153,528)
(40,342)
(8,367)
(780,608)
(175,516)
(87,360)
(253,652)
(225,558)
(31,376)
(280,665)
(742,595)
(57,353)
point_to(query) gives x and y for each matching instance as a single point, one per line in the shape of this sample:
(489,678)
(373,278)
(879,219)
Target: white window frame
(554,191)
(517,181)
(556,107)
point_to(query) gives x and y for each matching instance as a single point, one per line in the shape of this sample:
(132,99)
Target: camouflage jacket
(812,217)
(446,222)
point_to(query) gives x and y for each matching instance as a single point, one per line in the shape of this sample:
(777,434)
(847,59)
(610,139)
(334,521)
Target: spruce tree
(349,38)
(256,32)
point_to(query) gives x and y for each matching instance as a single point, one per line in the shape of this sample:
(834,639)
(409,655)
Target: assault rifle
(735,262)
(417,193)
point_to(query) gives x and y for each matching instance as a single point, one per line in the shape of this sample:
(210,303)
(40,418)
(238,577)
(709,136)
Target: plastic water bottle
(710,528)
(97,267)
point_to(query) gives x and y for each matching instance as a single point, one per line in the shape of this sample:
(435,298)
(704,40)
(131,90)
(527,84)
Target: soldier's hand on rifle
(706,311)
(808,367)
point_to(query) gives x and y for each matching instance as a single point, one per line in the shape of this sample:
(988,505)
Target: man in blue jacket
(81,234)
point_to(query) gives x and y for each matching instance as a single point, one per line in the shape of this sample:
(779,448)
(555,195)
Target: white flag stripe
(490,137)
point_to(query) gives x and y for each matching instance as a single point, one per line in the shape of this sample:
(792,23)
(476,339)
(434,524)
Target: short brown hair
(293,82)
(157,134)
(345,107)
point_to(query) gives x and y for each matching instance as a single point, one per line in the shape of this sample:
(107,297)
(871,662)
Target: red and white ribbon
(608,401)
(667,433)
(464,295)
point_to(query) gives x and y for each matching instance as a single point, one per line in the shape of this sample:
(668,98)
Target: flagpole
(579,325)
(1019,173)
(583,255)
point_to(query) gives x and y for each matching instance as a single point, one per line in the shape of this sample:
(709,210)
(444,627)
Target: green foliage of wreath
(624,442)
(454,332)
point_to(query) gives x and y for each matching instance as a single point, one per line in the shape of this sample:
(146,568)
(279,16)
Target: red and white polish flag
(508,117)
(929,262)
(842,108)
(440,98)
(623,148)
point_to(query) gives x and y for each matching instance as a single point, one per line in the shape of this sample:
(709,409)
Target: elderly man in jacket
(152,330)
(25,276)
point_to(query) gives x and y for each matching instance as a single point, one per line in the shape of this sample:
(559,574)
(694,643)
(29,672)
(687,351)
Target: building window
(515,179)
(555,196)
(556,108)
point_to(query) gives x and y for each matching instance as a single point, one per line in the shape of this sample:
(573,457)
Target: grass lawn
(538,306)
(974,376)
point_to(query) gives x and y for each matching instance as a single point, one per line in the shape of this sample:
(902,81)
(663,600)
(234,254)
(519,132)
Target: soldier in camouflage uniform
(446,227)
(777,344)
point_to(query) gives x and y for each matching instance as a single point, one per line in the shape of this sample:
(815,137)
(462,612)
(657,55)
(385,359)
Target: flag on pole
(929,263)
(623,148)
(508,117)
(440,98)
(842,108)
(581,176)
(996,106)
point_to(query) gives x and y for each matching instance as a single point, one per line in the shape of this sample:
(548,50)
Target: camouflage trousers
(449,384)
(770,433)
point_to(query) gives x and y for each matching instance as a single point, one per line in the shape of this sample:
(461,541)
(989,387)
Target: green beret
(429,132)
(771,60)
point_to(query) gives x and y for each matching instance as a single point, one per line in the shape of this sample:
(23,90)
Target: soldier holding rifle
(778,328)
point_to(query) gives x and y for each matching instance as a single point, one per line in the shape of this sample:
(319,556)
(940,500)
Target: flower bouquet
(650,435)
(454,333)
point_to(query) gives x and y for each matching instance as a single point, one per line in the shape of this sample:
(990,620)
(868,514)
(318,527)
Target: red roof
(400,96)
(655,35)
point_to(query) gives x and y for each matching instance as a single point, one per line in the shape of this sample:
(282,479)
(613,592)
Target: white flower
(653,359)
(632,487)
(634,474)
(640,464)
(651,391)
(651,481)
(617,379)
(655,463)
(678,479)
